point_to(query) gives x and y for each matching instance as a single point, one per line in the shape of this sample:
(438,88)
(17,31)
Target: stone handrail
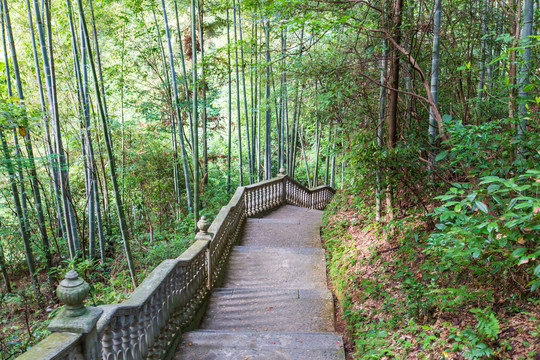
(172,299)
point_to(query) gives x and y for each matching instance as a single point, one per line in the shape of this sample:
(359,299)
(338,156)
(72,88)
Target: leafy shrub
(491,228)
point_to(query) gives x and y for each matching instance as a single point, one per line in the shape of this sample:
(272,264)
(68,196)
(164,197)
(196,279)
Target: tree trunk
(432,132)
(250,164)
(21,217)
(5,276)
(380,129)
(177,108)
(394,81)
(526,32)
(30,152)
(268,119)
(229,142)
(195,116)
(203,88)
(108,145)
(238,112)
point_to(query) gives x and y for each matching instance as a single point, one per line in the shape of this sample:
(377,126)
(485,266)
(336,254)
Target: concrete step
(275,267)
(240,345)
(295,212)
(289,310)
(281,233)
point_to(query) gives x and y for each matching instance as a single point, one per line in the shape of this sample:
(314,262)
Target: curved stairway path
(274,302)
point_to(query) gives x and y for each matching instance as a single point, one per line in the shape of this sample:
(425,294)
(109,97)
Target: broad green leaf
(440,156)
(481,206)
(471,196)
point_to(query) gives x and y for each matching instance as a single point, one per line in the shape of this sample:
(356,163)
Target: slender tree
(204,114)
(229,93)
(48,141)
(250,164)
(184,72)
(20,215)
(268,118)
(432,133)
(59,164)
(195,115)
(30,152)
(394,82)
(483,45)
(526,33)
(177,108)
(3,269)
(380,130)
(238,111)
(124,231)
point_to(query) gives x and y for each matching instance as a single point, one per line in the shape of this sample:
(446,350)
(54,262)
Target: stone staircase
(274,302)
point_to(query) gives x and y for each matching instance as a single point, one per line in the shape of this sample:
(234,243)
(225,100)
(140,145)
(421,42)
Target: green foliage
(490,228)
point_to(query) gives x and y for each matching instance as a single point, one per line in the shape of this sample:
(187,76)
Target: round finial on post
(282,171)
(203,225)
(72,292)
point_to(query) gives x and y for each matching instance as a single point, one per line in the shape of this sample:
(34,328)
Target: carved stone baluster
(267,198)
(259,200)
(164,327)
(282,187)
(271,197)
(161,307)
(107,343)
(154,324)
(253,203)
(263,198)
(134,340)
(117,338)
(274,195)
(249,209)
(260,191)
(277,196)
(290,193)
(126,337)
(143,331)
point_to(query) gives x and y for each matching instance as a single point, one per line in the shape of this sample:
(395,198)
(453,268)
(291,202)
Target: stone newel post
(282,175)
(75,317)
(203,226)
(204,235)
(72,292)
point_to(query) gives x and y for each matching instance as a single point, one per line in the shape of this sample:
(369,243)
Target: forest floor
(389,307)
(23,322)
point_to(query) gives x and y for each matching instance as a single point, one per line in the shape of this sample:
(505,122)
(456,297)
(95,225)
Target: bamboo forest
(141,140)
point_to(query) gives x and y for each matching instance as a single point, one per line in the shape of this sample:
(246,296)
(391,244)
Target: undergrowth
(403,295)
(23,324)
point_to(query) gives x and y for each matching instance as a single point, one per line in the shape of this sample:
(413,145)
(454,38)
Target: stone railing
(172,299)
